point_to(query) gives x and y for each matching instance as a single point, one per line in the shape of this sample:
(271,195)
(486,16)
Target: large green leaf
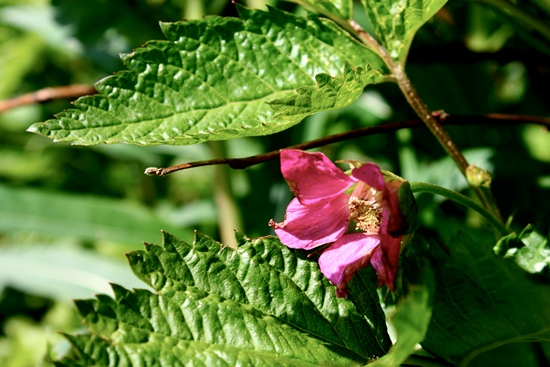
(481,301)
(211,80)
(396,21)
(80,216)
(410,319)
(329,93)
(263,304)
(338,8)
(60,272)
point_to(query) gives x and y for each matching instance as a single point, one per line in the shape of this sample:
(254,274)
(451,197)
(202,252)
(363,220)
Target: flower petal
(347,255)
(386,259)
(309,226)
(370,174)
(312,176)
(392,215)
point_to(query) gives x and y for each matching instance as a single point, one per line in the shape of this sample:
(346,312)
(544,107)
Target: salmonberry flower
(322,210)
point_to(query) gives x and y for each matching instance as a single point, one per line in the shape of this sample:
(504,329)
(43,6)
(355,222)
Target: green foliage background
(68,213)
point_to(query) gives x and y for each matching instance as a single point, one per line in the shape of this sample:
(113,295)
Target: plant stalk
(413,98)
(427,117)
(422,111)
(229,216)
(463,200)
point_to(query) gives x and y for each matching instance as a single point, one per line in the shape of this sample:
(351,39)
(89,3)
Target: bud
(478,177)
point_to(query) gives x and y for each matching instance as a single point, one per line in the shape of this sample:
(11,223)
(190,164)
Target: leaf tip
(33,128)
(241,238)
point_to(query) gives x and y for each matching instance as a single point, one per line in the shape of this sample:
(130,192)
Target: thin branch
(47,94)
(241,163)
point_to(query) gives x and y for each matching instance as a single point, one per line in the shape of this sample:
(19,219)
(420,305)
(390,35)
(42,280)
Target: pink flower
(322,210)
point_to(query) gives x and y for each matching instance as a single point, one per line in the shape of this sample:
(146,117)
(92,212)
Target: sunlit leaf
(329,93)
(263,304)
(396,22)
(530,249)
(211,80)
(339,8)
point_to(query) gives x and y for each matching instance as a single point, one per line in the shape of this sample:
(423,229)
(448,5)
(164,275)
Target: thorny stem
(242,163)
(461,199)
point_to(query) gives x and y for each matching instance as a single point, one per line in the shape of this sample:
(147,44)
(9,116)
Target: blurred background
(68,213)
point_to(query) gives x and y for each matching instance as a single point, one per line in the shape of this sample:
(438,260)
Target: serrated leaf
(396,21)
(243,275)
(263,304)
(329,93)
(410,319)
(166,351)
(481,301)
(338,8)
(211,80)
(531,248)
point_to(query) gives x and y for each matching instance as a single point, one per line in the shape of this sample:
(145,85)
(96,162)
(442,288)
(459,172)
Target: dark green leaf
(211,80)
(481,301)
(410,319)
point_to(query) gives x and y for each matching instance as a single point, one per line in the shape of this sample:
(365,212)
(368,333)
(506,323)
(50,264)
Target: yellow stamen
(365,208)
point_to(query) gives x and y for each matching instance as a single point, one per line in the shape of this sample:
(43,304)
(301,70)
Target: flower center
(365,207)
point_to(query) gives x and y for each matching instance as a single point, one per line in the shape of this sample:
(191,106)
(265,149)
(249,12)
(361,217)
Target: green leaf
(481,301)
(396,21)
(263,304)
(19,53)
(329,93)
(82,216)
(60,272)
(410,319)
(338,8)
(530,249)
(211,80)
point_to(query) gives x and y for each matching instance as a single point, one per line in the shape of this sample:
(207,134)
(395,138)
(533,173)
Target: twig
(241,163)
(47,94)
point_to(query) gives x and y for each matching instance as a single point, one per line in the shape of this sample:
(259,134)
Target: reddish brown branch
(47,94)
(241,163)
